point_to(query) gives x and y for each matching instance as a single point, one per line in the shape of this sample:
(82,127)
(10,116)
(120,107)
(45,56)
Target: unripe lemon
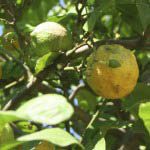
(112,71)
(50,37)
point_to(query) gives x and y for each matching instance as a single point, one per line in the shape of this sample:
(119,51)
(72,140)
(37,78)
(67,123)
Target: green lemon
(50,37)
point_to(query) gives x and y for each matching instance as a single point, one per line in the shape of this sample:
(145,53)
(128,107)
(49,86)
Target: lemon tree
(74,75)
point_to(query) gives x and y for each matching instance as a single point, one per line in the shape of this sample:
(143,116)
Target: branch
(129,43)
(6,22)
(82,50)
(45,88)
(12,102)
(85,49)
(14,83)
(73,94)
(79,113)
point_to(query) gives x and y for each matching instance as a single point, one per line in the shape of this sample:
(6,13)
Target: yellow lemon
(112,71)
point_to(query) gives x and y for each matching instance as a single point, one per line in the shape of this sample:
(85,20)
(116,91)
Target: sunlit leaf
(45,60)
(49,109)
(55,136)
(144,111)
(100,145)
(8,116)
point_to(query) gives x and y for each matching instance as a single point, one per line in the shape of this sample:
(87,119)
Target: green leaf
(55,136)
(140,94)
(100,123)
(63,18)
(144,111)
(91,21)
(8,116)
(11,70)
(10,145)
(90,2)
(93,135)
(91,138)
(144,58)
(144,11)
(113,63)
(100,7)
(101,145)
(36,12)
(137,15)
(105,5)
(50,109)
(45,60)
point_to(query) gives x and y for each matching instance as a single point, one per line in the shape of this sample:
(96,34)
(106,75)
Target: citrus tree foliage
(45,100)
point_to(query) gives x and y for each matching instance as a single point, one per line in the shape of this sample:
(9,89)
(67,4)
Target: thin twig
(23,92)
(14,83)
(73,94)
(129,43)
(6,22)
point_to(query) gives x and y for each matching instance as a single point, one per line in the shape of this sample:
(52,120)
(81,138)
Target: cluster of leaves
(31,88)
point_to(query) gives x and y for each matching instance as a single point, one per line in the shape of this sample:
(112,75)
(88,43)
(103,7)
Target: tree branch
(73,94)
(45,88)
(128,43)
(12,102)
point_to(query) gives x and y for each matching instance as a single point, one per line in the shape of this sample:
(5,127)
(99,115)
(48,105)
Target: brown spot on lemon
(114,75)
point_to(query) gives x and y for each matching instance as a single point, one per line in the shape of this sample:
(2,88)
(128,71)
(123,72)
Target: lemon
(112,71)
(50,37)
